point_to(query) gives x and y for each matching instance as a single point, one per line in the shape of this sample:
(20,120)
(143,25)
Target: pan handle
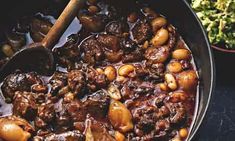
(62,23)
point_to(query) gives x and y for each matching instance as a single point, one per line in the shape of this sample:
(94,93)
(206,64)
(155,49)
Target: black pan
(179,14)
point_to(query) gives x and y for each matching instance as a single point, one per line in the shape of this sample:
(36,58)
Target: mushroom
(15,129)
(124,122)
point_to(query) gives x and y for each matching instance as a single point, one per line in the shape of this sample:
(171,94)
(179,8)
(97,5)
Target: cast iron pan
(178,12)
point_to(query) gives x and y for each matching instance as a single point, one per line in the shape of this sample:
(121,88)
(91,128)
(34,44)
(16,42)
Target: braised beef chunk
(134,56)
(93,51)
(76,110)
(127,92)
(141,31)
(178,112)
(58,81)
(157,55)
(19,82)
(124,73)
(69,53)
(97,104)
(46,111)
(117,28)
(156,71)
(24,105)
(133,53)
(76,81)
(96,80)
(111,45)
(128,45)
(110,42)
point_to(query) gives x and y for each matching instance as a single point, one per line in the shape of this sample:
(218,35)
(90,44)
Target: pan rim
(196,127)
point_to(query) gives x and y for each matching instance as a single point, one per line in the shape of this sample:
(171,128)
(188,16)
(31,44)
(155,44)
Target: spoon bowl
(34,57)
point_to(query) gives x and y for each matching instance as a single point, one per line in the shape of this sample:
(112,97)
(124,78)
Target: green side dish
(218,18)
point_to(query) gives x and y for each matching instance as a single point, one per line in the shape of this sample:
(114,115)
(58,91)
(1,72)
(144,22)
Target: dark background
(219,122)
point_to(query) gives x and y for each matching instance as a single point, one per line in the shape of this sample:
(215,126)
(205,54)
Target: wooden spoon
(38,57)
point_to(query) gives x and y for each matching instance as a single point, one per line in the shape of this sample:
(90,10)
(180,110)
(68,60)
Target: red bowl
(223,49)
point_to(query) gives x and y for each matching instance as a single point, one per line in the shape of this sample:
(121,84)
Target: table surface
(219,123)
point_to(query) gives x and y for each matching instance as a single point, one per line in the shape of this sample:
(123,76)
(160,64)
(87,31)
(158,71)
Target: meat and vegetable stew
(126,75)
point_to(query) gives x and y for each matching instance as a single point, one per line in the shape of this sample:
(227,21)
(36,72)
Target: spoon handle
(61,24)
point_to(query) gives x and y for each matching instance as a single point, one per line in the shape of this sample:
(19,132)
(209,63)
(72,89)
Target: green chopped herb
(218,18)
